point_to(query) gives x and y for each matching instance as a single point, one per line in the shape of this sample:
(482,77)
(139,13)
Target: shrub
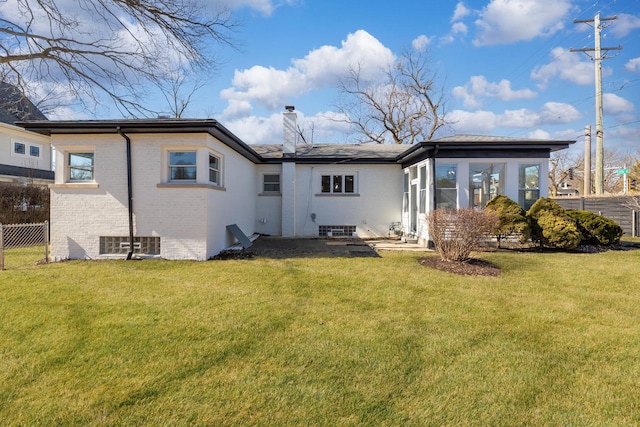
(596,229)
(21,204)
(513,219)
(551,226)
(456,233)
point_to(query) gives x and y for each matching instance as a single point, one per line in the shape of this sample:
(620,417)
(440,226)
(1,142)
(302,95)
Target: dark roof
(15,106)
(26,172)
(333,152)
(451,146)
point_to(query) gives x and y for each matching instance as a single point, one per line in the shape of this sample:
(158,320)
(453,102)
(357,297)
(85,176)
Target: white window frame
(339,187)
(265,183)
(172,166)
(452,174)
(31,147)
(69,168)
(15,152)
(216,170)
(522,185)
(492,189)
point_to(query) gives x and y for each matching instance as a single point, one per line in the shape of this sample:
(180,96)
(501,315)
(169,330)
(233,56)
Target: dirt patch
(472,267)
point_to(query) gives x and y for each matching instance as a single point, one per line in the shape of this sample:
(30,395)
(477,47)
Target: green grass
(554,340)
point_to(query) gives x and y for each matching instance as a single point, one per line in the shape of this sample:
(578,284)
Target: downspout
(129,191)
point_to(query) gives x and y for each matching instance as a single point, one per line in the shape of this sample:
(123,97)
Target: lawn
(553,340)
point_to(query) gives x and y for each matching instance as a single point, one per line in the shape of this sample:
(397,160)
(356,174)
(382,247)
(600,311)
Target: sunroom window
(446,186)
(486,182)
(529,185)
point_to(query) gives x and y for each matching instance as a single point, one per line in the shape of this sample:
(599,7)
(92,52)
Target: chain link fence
(23,244)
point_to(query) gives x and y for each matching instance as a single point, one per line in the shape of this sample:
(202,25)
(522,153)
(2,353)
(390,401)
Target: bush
(513,219)
(596,229)
(21,204)
(551,226)
(456,233)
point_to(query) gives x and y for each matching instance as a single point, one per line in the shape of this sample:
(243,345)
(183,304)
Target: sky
(505,65)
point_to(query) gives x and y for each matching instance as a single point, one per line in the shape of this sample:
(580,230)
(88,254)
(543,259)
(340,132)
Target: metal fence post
(46,241)
(1,250)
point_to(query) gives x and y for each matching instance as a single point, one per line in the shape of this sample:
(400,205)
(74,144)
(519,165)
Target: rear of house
(176,185)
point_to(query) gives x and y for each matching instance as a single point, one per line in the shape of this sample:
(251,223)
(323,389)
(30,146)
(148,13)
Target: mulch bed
(471,267)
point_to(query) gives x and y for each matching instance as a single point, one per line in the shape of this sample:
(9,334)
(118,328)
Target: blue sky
(505,65)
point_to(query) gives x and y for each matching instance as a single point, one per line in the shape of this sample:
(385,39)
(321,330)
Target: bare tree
(407,107)
(110,47)
(562,165)
(178,91)
(567,167)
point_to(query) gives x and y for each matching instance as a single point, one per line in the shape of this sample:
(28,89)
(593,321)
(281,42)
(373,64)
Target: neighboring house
(25,157)
(189,179)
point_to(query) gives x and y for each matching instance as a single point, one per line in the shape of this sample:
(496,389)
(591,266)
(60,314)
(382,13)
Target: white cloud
(478,87)
(625,24)
(323,67)
(421,42)
(633,65)
(615,104)
(558,112)
(509,21)
(567,65)
(459,28)
(461,11)
(268,130)
(265,7)
(477,122)
(484,122)
(538,134)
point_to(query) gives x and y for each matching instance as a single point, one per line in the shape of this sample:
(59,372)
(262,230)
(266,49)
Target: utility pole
(597,58)
(587,161)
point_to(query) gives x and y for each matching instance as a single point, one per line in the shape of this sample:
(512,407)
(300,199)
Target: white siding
(191,220)
(10,134)
(376,205)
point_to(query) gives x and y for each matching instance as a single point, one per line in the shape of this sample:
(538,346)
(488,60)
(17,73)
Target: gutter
(129,191)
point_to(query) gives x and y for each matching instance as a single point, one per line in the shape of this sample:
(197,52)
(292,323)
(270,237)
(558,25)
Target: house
(25,157)
(173,186)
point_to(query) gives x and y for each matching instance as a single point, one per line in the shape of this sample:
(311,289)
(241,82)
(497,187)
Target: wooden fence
(621,209)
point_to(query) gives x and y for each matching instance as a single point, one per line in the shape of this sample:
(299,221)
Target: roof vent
(290,108)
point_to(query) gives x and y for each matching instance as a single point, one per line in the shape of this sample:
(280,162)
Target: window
(19,148)
(271,183)
(182,166)
(405,193)
(423,189)
(338,184)
(80,166)
(34,151)
(120,245)
(486,182)
(214,169)
(529,185)
(446,186)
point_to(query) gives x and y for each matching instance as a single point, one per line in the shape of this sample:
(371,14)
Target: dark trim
(210,126)
(19,171)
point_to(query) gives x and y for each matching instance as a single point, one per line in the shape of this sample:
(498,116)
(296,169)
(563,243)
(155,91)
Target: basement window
(119,245)
(336,230)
